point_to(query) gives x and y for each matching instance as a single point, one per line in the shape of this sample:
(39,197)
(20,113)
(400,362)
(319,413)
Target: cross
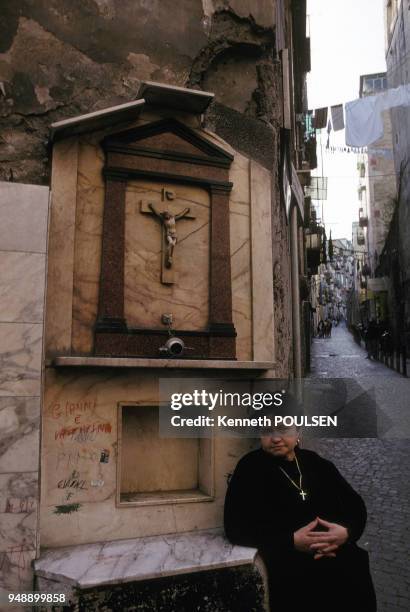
(168,219)
(303,494)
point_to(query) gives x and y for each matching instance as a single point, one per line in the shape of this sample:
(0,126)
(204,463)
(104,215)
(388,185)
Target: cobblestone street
(377,467)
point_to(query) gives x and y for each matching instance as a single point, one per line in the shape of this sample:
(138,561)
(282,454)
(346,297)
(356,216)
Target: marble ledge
(172,364)
(120,561)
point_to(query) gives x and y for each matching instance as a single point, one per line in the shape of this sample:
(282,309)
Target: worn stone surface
(60,59)
(281,287)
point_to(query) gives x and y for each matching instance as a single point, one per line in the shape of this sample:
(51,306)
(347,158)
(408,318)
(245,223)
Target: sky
(347,40)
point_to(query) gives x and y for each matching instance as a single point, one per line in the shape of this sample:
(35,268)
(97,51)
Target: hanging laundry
(320,118)
(392,98)
(364,123)
(329,129)
(337,117)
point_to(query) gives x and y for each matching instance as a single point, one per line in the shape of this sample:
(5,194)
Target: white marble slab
(22,286)
(19,434)
(137,559)
(18,576)
(18,511)
(20,359)
(23,217)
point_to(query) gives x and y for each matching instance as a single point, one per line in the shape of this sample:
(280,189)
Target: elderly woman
(305,519)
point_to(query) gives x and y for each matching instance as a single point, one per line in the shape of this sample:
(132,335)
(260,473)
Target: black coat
(263,510)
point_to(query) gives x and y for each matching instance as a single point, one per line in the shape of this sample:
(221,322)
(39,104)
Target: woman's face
(280,442)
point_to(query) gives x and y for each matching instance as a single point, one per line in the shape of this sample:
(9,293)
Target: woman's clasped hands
(320,543)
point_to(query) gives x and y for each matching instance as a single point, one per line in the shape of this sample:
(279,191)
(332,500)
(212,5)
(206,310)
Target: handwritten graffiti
(67,508)
(16,505)
(19,557)
(72,482)
(82,433)
(72,409)
(72,458)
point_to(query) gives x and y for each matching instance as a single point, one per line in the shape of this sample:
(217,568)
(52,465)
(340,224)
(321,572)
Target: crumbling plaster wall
(61,58)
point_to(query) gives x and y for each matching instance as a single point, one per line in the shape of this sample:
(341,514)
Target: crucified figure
(169,220)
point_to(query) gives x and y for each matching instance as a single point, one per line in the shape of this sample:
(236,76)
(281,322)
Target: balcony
(363,219)
(313,242)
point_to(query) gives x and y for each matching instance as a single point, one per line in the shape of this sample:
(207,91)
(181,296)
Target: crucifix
(168,219)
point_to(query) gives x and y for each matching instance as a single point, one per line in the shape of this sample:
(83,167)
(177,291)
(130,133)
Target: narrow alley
(375,466)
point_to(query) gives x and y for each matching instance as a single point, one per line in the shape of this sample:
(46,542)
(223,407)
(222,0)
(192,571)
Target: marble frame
(206,456)
(208,168)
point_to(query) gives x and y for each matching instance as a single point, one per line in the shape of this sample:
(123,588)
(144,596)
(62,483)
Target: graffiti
(67,459)
(84,436)
(17,505)
(72,409)
(18,556)
(67,508)
(72,482)
(82,433)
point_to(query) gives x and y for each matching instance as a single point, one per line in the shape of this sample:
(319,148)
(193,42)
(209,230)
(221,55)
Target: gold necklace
(302,493)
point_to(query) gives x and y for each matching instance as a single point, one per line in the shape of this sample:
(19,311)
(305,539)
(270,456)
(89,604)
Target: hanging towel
(364,123)
(337,117)
(320,118)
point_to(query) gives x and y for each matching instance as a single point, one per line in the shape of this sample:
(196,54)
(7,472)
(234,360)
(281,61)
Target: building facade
(395,259)
(376,192)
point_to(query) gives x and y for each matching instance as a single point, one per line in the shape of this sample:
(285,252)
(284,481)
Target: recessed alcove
(158,470)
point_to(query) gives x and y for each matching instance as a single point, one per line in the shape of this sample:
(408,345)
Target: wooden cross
(169,238)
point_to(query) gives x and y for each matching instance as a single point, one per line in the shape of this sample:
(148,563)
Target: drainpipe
(294,255)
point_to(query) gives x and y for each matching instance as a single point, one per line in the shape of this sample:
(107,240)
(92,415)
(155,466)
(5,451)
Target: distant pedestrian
(370,338)
(328,328)
(320,329)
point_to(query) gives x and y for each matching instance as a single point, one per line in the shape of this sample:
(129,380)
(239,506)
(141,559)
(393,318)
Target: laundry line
(361,118)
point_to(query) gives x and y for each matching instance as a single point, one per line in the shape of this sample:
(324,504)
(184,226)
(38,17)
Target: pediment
(168,138)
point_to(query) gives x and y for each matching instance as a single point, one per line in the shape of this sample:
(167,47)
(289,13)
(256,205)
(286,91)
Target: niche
(158,470)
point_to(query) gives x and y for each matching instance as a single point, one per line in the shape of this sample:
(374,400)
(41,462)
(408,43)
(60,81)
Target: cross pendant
(303,494)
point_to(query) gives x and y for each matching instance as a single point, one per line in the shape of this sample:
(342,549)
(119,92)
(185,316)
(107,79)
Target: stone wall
(23,235)
(61,59)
